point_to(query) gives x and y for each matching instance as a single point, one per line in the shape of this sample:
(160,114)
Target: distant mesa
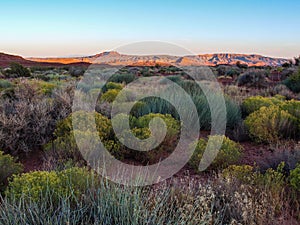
(7,59)
(116,59)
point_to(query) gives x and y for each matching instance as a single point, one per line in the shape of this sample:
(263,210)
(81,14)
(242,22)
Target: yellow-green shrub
(8,167)
(38,185)
(254,103)
(44,87)
(295,178)
(173,125)
(64,144)
(292,107)
(272,180)
(110,95)
(113,85)
(270,124)
(228,154)
(243,173)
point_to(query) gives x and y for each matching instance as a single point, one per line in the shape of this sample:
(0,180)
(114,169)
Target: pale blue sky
(55,28)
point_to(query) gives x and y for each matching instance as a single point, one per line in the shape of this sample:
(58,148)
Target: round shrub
(253,78)
(292,107)
(110,95)
(64,144)
(8,167)
(270,124)
(112,85)
(5,84)
(143,121)
(233,112)
(295,178)
(254,103)
(122,78)
(293,82)
(243,173)
(229,153)
(51,185)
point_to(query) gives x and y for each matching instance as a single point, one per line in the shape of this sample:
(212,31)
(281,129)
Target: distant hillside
(7,59)
(114,58)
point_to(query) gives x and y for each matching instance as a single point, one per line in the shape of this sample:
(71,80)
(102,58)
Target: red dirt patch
(32,161)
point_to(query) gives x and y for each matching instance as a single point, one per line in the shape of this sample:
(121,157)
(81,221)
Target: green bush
(254,103)
(293,82)
(228,154)
(5,84)
(191,87)
(140,129)
(172,125)
(292,107)
(64,144)
(175,78)
(253,78)
(270,124)
(110,95)
(243,173)
(153,105)
(19,70)
(233,112)
(44,87)
(122,78)
(295,178)
(38,185)
(157,105)
(112,85)
(272,180)
(8,167)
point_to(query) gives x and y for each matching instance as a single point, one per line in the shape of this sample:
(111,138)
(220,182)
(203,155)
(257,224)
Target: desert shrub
(120,78)
(8,167)
(233,112)
(293,82)
(235,71)
(283,90)
(243,173)
(38,185)
(228,154)
(270,124)
(76,71)
(176,78)
(254,103)
(43,87)
(140,129)
(193,203)
(273,179)
(290,157)
(252,78)
(84,87)
(112,85)
(28,118)
(222,70)
(191,87)
(64,145)
(110,95)
(142,122)
(19,70)
(292,107)
(5,84)
(295,178)
(157,105)
(153,105)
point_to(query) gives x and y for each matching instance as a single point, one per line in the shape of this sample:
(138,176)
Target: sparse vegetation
(254,181)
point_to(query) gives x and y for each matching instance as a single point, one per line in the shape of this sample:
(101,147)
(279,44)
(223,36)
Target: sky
(72,28)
